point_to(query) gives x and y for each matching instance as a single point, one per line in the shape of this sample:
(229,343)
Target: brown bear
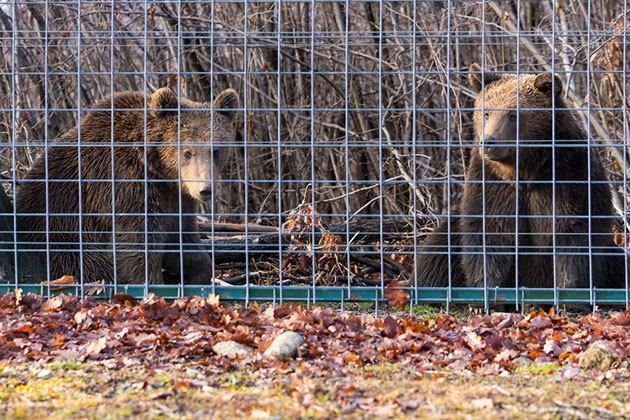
(166,154)
(532,159)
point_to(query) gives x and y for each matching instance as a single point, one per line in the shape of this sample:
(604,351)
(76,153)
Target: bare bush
(324,84)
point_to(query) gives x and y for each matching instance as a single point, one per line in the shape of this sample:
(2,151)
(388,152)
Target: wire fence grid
(353,160)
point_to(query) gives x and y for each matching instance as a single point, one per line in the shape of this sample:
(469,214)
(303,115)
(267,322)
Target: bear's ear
(477,77)
(545,82)
(226,103)
(164,102)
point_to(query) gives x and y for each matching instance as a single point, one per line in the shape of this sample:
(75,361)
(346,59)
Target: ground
(68,357)
(179,389)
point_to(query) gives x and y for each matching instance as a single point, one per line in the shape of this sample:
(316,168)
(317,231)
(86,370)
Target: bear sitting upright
(166,154)
(516,120)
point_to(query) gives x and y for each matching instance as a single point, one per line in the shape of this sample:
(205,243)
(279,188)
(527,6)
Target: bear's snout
(491,140)
(206,192)
(496,149)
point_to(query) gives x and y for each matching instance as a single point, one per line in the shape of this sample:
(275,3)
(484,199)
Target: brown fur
(157,193)
(497,155)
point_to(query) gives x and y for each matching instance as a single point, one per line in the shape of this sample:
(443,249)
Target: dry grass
(176,390)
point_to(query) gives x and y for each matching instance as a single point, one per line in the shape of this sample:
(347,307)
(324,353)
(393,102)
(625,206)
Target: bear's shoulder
(122,101)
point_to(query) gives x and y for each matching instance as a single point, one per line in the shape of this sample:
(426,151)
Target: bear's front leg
(487,231)
(572,261)
(196,258)
(496,271)
(433,258)
(132,267)
(493,262)
(198,267)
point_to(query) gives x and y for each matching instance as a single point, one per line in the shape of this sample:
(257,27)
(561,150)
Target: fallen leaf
(383,410)
(52,304)
(96,346)
(331,243)
(144,339)
(123,299)
(475,341)
(25,328)
(396,297)
(60,280)
(59,340)
(351,358)
(506,355)
(182,386)
(213,300)
(93,289)
(18,296)
(551,347)
(623,318)
(391,328)
(61,283)
(540,322)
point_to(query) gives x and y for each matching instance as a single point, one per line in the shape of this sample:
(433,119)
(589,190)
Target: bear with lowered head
(536,197)
(117,197)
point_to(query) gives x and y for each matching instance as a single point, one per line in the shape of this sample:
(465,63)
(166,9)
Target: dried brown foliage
(312,81)
(63,327)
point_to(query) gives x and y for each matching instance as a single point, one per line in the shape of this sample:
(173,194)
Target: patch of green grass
(323,397)
(66,365)
(426,311)
(162,376)
(67,412)
(48,389)
(237,380)
(17,413)
(356,306)
(126,411)
(538,368)
(382,368)
(5,394)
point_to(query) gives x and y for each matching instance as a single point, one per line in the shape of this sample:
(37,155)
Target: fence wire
(316,150)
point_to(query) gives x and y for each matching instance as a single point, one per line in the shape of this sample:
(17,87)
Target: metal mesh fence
(358,157)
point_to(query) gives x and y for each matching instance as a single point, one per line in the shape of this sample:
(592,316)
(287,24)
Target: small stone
(45,374)
(110,364)
(599,355)
(482,403)
(522,361)
(8,371)
(285,345)
(231,348)
(192,372)
(568,372)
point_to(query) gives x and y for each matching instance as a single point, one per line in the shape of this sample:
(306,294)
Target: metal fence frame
(314,39)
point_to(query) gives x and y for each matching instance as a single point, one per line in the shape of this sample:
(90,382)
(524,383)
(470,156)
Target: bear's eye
(215,154)
(513,117)
(188,154)
(486,115)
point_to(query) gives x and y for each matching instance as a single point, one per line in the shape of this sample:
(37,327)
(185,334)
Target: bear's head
(511,109)
(191,139)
